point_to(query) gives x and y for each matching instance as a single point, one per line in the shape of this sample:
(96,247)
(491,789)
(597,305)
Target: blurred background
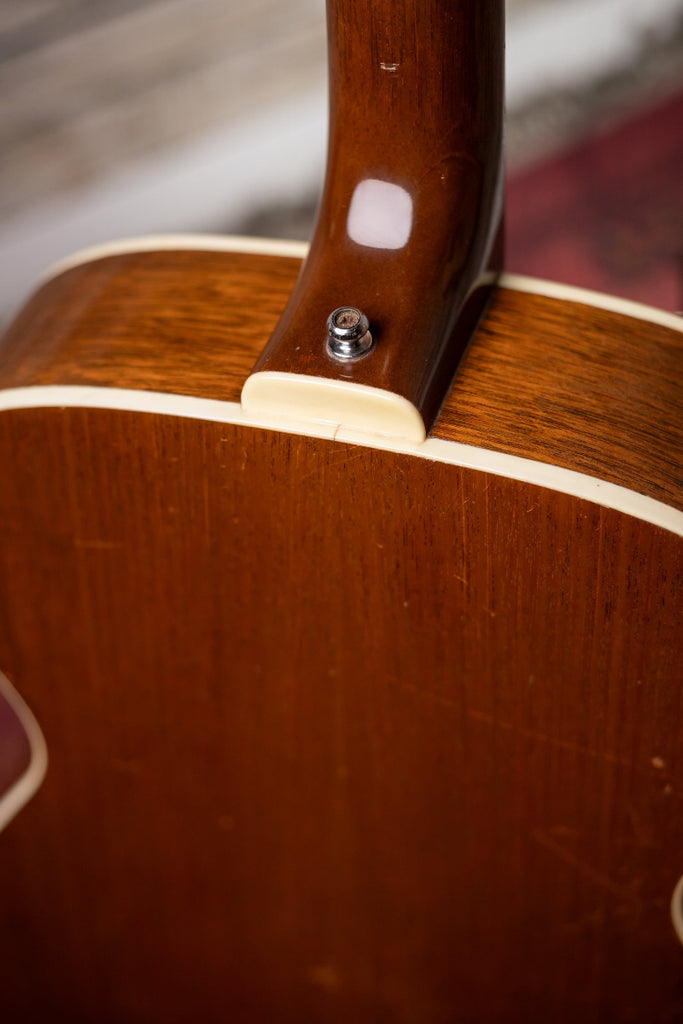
(134,117)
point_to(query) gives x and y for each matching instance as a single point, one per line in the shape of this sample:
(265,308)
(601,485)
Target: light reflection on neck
(380,215)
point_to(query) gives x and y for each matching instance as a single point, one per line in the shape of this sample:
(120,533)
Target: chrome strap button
(348,333)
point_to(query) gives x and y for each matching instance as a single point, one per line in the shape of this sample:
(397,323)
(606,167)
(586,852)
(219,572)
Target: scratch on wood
(553,741)
(341,457)
(587,870)
(443,702)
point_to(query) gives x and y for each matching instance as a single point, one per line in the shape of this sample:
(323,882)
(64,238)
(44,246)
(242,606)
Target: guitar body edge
(331,725)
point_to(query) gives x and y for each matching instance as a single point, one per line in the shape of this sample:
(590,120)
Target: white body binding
(566,481)
(23,789)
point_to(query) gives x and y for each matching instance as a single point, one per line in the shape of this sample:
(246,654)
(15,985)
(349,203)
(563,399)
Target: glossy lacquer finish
(410,217)
(337,736)
(557,381)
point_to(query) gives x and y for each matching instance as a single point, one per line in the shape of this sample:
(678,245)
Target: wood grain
(559,382)
(336,734)
(574,386)
(432,133)
(188,322)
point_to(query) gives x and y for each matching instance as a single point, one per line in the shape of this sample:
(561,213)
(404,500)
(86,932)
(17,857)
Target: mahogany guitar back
(336,732)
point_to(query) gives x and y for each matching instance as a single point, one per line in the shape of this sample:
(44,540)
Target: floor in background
(135,117)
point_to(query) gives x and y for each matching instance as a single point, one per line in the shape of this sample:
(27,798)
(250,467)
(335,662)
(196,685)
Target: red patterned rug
(607,214)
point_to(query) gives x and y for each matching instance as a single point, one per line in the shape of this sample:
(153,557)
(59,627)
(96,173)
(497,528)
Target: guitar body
(339,728)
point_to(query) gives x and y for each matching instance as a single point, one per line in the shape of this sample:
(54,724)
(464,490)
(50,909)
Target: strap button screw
(348,334)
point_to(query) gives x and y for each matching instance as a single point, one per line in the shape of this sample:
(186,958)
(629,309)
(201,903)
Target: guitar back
(340,728)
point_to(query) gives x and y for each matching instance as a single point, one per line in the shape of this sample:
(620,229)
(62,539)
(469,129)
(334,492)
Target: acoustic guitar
(361,682)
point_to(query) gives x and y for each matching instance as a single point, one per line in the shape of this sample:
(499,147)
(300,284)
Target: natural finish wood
(335,734)
(338,733)
(432,133)
(188,322)
(559,382)
(575,386)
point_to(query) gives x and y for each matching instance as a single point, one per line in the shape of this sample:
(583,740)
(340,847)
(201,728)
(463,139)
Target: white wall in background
(554,45)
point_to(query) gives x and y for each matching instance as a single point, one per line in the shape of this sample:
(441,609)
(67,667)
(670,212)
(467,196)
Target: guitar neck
(409,228)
